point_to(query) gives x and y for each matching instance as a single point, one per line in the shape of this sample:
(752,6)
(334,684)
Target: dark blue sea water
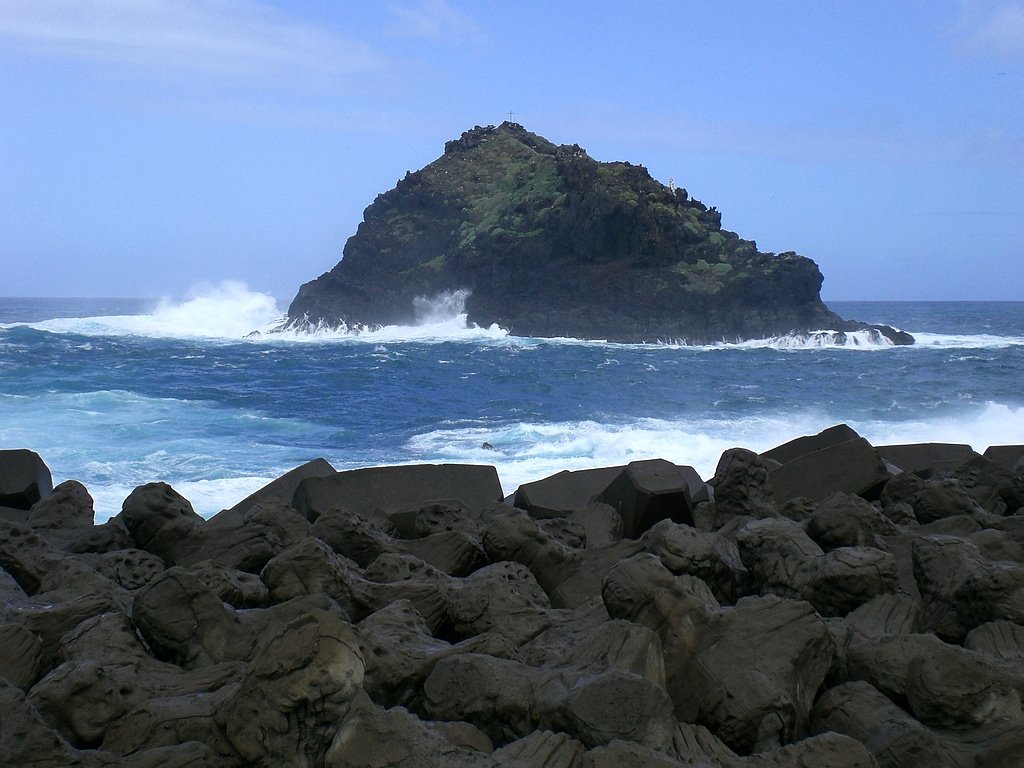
(118,393)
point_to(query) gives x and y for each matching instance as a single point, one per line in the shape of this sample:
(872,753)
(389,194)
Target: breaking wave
(225,311)
(231,312)
(523,452)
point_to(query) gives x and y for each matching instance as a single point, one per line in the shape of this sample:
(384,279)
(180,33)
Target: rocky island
(545,241)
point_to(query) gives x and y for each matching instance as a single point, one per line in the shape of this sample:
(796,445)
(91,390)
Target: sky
(149,148)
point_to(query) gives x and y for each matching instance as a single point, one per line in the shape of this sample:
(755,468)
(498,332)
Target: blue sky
(150,146)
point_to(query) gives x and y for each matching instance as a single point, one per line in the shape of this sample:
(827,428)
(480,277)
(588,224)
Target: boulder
(940,499)
(166,721)
(953,688)
(309,567)
(901,489)
(400,652)
(895,739)
(507,699)
(65,514)
(652,490)
(186,623)
(161,521)
(961,590)
(741,486)
(26,555)
(710,557)
(50,620)
(1001,640)
(20,655)
(26,740)
(130,568)
(458,553)
(826,750)
(843,520)
(380,491)
(997,489)
(779,556)
(503,598)
(542,748)
(885,660)
(302,681)
(282,519)
(24,479)
(569,576)
(13,515)
(592,644)
(371,737)
(106,537)
(351,535)
(440,517)
(851,576)
(748,673)
(755,673)
(890,614)
(236,588)
(81,699)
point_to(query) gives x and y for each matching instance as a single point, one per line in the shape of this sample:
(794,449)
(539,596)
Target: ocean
(116,393)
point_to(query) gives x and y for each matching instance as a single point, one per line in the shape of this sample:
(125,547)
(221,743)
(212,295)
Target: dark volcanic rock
(433,626)
(545,241)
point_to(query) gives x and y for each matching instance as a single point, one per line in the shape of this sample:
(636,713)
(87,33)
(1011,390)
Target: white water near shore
(230,311)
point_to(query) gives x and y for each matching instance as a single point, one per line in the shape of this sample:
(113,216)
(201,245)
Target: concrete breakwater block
(565,492)
(383,491)
(836,460)
(652,490)
(926,457)
(24,478)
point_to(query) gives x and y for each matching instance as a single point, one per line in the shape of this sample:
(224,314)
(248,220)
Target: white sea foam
(977,341)
(524,452)
(438,318)
(230,311)
(225,311)
(822,339)
(146,448)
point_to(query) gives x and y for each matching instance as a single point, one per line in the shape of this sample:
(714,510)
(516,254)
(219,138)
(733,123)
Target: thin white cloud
(998,30)
(225,36)
(433,20)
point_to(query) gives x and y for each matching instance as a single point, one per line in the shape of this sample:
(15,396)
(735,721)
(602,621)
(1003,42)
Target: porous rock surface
(627,616)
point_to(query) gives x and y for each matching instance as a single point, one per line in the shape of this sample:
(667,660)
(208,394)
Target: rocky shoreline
(827,603)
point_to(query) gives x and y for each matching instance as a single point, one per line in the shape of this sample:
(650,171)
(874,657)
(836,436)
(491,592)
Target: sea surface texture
(116,393)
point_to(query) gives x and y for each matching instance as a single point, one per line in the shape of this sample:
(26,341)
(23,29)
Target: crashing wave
(869,338)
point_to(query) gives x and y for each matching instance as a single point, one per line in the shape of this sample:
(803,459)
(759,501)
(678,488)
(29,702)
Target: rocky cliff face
(549,242)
